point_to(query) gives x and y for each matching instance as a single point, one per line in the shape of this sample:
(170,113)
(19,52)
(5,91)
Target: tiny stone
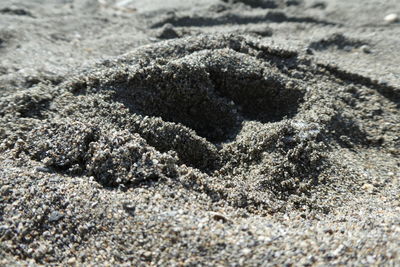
(55,216)
(368,187)
(42,169)
(246,251)
(366,49)
(309,51)
(129,208)
(146,255)
(71,260)
(220,217)
(391,18)
(348,48)
(328,231)
(370,259)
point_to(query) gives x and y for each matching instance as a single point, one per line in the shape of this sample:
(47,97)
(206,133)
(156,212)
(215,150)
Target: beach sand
(203,133)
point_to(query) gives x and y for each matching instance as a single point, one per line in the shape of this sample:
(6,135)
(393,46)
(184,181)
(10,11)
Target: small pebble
(366,49)
(146,255)
(220,217)
(129,208)
(368,187)
(348,48)
(246,251)
(55,216)
(391,18)
(309,51)
(71,260)
(42,169)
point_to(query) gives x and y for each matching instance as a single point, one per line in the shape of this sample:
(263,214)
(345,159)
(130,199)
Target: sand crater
(213,96)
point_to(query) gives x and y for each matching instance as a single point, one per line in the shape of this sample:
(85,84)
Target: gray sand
(212,133)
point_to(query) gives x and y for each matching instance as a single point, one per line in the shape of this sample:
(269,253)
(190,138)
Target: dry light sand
(199,133)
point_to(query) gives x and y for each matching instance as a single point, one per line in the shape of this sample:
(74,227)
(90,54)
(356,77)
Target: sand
(211,133)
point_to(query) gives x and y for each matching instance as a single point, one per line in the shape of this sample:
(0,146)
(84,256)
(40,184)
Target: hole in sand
(208,100)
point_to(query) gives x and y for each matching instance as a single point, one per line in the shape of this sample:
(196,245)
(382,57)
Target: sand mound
(255,121)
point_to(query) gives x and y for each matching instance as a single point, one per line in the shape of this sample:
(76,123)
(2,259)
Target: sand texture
(199,133)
